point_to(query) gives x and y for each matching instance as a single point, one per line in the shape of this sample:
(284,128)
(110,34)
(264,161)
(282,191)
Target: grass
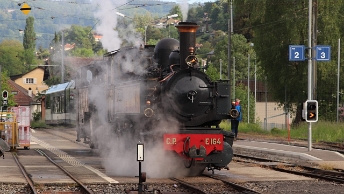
(39,124)
(321,131)
(327,166)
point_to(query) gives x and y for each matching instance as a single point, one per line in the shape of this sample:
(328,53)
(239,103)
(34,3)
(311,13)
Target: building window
(29,80)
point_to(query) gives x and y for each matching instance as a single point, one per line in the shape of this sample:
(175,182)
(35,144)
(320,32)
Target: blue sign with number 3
(322,53)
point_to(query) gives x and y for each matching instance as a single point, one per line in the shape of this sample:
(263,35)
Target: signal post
(311,111)
(4,100)
(322,53)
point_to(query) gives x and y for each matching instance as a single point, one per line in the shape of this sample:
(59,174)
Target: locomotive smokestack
(187,36)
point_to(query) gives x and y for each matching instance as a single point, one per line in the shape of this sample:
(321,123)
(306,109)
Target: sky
(192,1)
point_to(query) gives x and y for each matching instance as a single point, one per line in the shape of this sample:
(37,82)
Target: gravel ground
(267,187)
(12,188)
(277,187)
(281,187)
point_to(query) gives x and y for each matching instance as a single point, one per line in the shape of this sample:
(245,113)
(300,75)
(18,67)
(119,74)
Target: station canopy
(60,87)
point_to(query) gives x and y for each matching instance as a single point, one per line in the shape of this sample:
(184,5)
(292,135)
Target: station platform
(319,156)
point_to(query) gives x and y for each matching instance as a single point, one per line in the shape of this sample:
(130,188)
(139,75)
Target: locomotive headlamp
(234,113)
(148,112)
(191,60)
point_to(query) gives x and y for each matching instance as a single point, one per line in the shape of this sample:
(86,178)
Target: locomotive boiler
(159,95)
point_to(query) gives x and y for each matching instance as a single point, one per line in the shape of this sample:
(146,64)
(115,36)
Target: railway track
(334,175)
(33,188)
(83,188)
(204,185)
(25,174)
(237,187)
(228,186)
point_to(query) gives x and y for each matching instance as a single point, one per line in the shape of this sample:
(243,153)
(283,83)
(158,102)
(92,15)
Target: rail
(26,175)
(82,186)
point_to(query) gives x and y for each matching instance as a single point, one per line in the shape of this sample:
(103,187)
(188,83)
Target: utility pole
(230,31)
(220,69)
(248,88)
(0,79)
(146,35)
(314,43)
(62,59)
(309,69)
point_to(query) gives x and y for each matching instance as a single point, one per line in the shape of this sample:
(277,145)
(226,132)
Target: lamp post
(248,88)
(255,89)
(62,65)
(169,17)
(146,35)
(220,69)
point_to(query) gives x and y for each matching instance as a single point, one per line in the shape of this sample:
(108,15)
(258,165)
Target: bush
(37,116)
(277,132)
(39,124)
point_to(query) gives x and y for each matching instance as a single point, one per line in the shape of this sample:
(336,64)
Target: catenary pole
(62,59)
(310,69)
(338,77)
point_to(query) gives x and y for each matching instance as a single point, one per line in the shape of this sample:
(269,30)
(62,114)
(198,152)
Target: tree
(29,42)
(240,49)
(280,24)
(5,86)
(11,57)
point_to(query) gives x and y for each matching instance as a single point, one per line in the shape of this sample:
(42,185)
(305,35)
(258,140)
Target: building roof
(60,87)
(22,98)
(14,77)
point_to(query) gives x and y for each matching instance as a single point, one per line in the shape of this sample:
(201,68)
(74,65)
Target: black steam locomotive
(160,96)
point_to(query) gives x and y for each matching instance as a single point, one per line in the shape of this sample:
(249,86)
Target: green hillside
(52,16)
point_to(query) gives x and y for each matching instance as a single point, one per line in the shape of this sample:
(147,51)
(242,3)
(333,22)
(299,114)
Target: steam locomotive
(160,96)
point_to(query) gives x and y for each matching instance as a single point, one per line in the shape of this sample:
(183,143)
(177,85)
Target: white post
(145,35)
(338,72)
(233,95)
(310,69)
(220,69)
(255,89)
(62,65)
(248,89)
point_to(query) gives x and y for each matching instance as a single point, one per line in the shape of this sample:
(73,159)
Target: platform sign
(323,53)
(296,52)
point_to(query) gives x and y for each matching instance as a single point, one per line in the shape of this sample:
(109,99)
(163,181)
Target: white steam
(107,17)
(184,7)
(119,152)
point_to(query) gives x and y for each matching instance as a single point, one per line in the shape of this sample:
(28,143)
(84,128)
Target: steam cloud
(119,153)
(107,23)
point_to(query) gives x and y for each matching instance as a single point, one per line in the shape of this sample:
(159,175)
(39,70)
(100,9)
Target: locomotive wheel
(197,169)
(192,168)
(187,163)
